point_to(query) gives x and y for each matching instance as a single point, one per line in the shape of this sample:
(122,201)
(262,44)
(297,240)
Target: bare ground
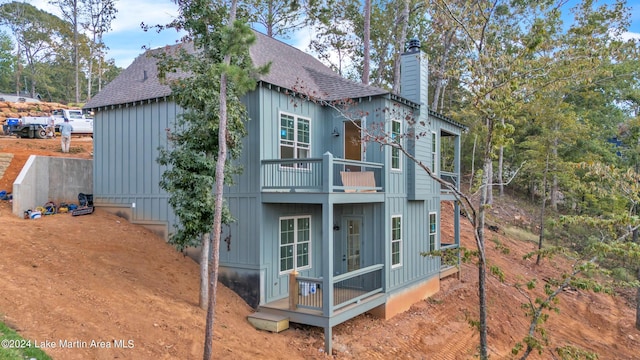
(99,278)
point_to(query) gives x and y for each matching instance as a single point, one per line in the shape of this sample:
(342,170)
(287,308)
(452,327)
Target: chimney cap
(414,45)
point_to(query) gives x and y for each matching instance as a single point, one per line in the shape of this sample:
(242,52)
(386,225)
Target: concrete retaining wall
(45,178)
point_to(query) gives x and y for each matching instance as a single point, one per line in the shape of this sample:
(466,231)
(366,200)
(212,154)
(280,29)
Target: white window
(295,243)
(434,153)
(396,134)
(295,138)
(433,231)
(396,241)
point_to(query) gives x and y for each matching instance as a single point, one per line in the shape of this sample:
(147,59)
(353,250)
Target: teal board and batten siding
(126,173)
(415,240)
(272,103)
(276,285)
(414,80)
(269,102)
(419,185)
(372,231)
(370,110)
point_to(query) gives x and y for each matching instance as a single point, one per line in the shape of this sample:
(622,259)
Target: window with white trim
(433,231)
(295,243)
(295,138)
(434,153)
(396,241)
(396,133)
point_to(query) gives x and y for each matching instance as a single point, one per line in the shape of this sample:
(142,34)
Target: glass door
(353,243)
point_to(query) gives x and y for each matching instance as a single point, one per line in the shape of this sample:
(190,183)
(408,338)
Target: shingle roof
(291,68)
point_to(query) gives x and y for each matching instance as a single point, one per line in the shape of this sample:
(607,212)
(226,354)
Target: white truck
(37,126)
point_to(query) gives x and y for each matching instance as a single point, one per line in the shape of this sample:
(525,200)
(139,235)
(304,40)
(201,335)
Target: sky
(127,39)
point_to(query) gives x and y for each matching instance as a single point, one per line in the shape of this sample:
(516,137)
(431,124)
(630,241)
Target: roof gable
(291,68)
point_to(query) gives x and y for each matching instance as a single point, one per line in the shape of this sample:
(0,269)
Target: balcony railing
(356,285)
(326,174)
(349,288)
(450,178)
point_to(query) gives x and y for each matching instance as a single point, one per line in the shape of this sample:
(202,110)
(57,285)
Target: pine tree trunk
(489,172)
(473,161)
(76,49)
(204,270)
(367,42)
(542,209)
(219,192)
(554,192)
(500,168)
(403,20)
(488,167)
(500,173)
(482,268)
(439,82)
(482,261)
(638,303)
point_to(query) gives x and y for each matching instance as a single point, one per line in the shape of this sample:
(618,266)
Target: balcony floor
(315,317)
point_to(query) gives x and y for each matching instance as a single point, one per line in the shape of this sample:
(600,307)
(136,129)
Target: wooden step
(269,322)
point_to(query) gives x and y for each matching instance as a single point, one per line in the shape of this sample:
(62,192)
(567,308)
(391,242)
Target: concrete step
(269,322)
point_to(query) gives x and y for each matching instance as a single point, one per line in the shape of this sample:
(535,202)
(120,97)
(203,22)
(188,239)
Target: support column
(327,340)
(327,269)
(456,234)
(456,161)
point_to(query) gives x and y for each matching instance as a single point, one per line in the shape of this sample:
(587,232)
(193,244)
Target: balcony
(352,294)
(451,178)
(325,175)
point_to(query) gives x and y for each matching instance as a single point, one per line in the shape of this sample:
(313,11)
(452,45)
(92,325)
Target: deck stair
(269,322)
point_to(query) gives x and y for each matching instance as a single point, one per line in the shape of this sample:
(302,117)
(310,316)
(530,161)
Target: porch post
(327,173)
(456,161)
(327,269)
(293,290)
(456,204)
(327,340)
(456,233)
(456,222)
(327,258)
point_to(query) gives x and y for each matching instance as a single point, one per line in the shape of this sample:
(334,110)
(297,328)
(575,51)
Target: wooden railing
(349,288)
(356,285)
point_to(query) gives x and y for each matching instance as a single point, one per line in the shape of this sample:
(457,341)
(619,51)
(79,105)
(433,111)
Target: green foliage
(191,154)
(7,63)
(501,247)
(569,352)
(30,351)
(497,272)
(45,64)
(447,256)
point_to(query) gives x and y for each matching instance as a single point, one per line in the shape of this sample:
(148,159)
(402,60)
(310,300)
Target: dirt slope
(97,277)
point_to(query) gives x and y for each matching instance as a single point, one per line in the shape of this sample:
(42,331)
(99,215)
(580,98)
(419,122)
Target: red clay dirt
(98,278)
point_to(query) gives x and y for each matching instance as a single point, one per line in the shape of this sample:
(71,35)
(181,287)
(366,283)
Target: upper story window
(396,127)
(295,138)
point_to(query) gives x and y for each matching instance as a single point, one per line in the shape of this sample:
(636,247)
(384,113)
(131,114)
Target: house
(328,227)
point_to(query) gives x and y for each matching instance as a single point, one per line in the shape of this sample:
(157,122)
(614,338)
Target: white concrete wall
(45,178)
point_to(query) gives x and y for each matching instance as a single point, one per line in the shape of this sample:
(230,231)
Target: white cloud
(126,37)
(627,35)
(132,13)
